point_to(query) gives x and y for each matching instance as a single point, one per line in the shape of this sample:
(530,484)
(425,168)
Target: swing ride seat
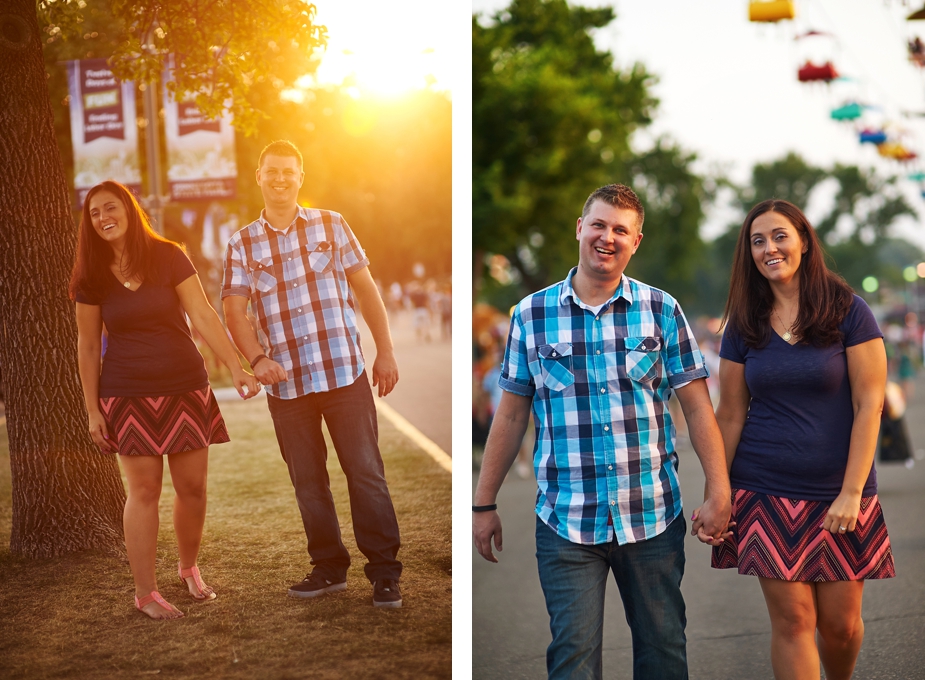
(771,10)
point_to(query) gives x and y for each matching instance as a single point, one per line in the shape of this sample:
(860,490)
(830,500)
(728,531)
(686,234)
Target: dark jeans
(648,574)
(350,415)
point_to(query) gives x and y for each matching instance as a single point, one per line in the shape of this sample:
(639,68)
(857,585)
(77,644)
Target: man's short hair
(281,147)
(619,196)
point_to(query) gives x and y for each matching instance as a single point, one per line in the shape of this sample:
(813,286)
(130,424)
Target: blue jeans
(350,415)
(648,574)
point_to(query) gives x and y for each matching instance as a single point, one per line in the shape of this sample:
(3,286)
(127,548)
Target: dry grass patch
(73,617)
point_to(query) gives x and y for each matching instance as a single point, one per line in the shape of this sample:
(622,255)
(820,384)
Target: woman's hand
(843,513)
(244,379)
(99,434)
(697,525)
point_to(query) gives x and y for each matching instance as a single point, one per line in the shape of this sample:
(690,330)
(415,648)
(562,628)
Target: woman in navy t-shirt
(151,395)
(802,376)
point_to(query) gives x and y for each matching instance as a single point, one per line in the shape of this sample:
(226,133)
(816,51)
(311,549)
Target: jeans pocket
(643,358)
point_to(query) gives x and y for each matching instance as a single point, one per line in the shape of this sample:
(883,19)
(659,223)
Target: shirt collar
(295,221)
(567,293)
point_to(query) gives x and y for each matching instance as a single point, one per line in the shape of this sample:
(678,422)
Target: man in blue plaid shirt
(303,271)
(596,357)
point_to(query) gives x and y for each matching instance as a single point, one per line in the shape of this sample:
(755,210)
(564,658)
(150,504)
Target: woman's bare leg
(140,521)
(792,607)
(188,470)
(841,628)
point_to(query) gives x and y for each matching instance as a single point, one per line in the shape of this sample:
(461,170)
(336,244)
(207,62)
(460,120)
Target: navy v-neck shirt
(795,440)
(150,352)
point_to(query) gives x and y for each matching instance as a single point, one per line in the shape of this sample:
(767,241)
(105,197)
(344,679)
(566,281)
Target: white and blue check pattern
(600,378)
(296,281)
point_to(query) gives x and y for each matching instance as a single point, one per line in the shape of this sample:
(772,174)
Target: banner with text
(103,129)
(200,152)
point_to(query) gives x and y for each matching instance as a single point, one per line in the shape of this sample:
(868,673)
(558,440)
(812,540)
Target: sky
(729,88)
(388,47)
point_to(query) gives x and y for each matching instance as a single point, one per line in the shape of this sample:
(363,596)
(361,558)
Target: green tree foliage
(552,121)
(224,49)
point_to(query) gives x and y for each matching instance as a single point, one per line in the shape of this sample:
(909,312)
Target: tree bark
(66,495)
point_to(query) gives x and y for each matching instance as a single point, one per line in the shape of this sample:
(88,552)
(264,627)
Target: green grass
(73,617)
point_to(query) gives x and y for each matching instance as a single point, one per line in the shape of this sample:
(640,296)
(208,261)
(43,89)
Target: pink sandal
(205,592)
(155,596)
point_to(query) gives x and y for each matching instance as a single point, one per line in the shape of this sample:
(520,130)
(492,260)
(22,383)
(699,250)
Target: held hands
(268,372)
(99,434)
(843,513)
(710,522)
(242,379)
(385,372)
(485,526)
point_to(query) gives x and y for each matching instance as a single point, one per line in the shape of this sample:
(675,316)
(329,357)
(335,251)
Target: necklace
(787,336)
(126,283)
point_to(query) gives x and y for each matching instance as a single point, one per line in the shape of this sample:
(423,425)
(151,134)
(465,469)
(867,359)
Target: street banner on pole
(200,152)
(103,129)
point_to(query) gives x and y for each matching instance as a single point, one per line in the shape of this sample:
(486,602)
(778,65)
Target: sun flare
(386,49)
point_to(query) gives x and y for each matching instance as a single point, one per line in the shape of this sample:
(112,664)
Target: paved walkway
(728,629)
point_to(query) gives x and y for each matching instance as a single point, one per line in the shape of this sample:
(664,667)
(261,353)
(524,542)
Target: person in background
(802,376)
(150,396)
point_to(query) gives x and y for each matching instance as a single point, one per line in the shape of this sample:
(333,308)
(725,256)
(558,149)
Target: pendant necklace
(126,283)
(787,336)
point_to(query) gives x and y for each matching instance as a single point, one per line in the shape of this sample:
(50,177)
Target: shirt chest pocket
(643,358)
(556,365)
(321,257)
(264,274)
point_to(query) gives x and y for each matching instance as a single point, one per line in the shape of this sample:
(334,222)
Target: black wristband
(257,359)
(484,508)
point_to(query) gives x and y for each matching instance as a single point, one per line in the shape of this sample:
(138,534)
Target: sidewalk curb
(415,435)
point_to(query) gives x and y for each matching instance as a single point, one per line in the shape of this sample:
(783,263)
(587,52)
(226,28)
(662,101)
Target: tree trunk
(66,495)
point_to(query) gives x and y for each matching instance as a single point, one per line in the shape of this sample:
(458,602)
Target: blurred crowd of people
(430,303)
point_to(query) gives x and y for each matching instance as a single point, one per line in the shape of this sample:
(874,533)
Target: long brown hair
(825,297)
(90,274)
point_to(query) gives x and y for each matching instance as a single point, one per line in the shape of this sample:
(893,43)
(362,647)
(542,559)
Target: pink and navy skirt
(156,426)
(781,538)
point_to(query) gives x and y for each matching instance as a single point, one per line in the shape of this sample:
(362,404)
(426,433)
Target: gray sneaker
(386,593)
(315,584)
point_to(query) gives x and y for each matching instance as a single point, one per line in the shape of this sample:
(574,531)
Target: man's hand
(385,372)
(269,372)
(710,522)
(485,526)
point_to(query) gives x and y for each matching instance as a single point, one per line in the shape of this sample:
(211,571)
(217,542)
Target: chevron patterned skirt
(155,426)
(781,538)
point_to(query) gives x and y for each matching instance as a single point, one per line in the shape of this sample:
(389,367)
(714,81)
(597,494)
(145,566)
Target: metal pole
(153,148)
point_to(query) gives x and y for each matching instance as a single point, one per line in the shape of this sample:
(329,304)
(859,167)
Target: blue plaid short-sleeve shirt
(601,378)
(296,281)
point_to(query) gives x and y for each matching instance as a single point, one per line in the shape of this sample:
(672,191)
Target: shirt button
(598,351)
(598,318)
(613,502)
(603,390)
(290,259)
(300,309)
(606,428)
(554,354)
(305,337)
(610,467)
